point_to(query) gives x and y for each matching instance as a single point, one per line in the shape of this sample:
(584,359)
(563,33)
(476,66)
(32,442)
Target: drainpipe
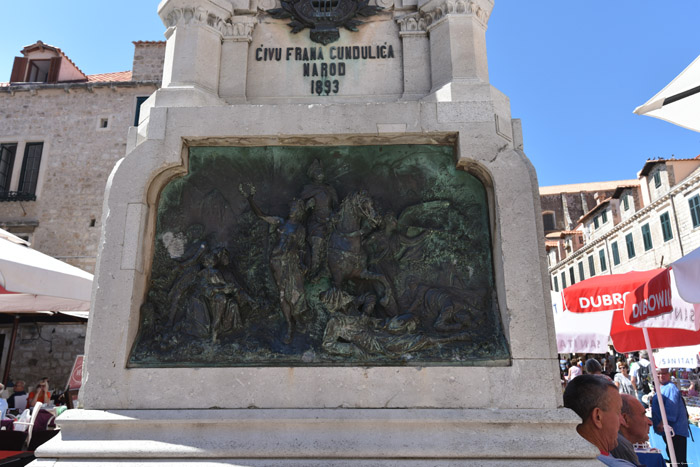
(678,229)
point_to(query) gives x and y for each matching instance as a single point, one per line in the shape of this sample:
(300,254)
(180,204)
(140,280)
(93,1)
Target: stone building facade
(634,225)
(61,133)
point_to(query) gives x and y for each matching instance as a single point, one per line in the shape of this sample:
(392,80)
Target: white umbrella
(32,282)
(28,271)
(679,101)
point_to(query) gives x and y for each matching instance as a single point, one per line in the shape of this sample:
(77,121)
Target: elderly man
(676,415)
(597,401)
(634,428)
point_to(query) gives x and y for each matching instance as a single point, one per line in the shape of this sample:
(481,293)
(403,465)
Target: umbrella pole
(10,351)
(667,429)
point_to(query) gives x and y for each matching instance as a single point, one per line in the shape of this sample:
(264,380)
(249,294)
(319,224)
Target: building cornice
(68,87)
(434,11)
(589,247)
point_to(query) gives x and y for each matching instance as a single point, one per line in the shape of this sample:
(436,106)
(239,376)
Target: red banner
(652,298)
(76,374)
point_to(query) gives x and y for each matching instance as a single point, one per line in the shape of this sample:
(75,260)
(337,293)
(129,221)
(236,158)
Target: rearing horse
(347,260)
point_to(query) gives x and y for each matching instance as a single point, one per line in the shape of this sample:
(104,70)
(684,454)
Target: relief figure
(320,198)
(286,259)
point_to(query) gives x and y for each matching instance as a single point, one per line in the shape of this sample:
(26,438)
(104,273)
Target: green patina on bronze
(321,256)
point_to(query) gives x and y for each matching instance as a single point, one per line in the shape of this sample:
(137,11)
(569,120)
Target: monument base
(316,437)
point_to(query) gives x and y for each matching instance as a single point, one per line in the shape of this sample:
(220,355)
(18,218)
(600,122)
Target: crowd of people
(611,394)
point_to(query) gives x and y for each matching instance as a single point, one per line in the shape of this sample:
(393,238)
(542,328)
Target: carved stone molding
(194,16)
(239,30)
(414,24)
(432,12)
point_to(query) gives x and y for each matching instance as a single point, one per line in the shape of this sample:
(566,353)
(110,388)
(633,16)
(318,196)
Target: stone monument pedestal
(168,381)
(317,437)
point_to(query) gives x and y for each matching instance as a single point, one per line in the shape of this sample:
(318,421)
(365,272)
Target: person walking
(622,380)
(676,415)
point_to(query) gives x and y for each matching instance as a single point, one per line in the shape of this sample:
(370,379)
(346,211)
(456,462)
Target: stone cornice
(414,24)
(239,29)
(588,247)
(197,16)
(68,87)
(434,11)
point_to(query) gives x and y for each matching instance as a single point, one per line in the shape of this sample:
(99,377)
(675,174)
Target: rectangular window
(666,226)
(572,278)
(630,245)
(591,266)
(603,263)
(595,222)
(556,284)
(615,253)
(626,202)
(30,170)
(657,179)
(7,162)
(646,236)
(563,280)
(581,275)
(694,204)
(140,100)
(604,216)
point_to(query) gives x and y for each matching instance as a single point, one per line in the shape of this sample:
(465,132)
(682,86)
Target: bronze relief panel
(321,256)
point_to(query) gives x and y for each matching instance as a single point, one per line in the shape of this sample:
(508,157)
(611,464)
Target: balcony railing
(16,196)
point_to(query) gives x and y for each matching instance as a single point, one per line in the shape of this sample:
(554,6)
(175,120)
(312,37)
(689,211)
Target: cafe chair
(30,423)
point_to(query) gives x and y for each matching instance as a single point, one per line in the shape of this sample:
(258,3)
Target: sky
(574,70)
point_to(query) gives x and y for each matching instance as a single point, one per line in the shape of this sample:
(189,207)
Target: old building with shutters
(61,133)
(616,227)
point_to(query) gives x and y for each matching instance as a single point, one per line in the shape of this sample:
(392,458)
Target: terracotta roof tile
(652,162)
(117,77)
(40,45)
(551,243)
(148,42)
(570,232)
(590,213)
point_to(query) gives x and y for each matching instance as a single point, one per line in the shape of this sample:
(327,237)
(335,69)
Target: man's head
(593,367)
(597,401)
(664,375)
(19,386)
(634,424)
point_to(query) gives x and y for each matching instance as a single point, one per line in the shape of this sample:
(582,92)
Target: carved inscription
(325,66)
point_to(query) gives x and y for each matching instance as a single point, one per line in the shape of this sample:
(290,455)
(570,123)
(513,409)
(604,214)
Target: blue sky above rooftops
(574,71)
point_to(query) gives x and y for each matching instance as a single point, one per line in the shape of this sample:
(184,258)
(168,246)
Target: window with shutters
(615,253)
(694,205)
(666,226)
(19,177)
(629,240)
(646,236)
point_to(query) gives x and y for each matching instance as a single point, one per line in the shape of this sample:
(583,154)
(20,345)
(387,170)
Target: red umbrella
(634,297)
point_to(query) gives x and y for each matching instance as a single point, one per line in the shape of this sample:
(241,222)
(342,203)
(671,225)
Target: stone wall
(41,350)
(148,61)
(77,158)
